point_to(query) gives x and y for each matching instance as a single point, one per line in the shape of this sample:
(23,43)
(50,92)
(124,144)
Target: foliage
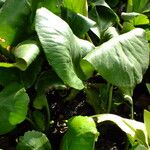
(98,48)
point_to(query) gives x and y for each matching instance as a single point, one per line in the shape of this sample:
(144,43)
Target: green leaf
(29,76)
(138,6)
(112,3)
(139,147)
(60,47)
(136,18)
(39,120)
(52,5)
(77,22)
(13,107)
(25,53)
(2,2)
(97,98)
(127,26)
(8,75)
(34,140)
(85,46)
(47,80)
(79,6)
(135,130)
(81,134)
(147,122)
(6,65)
(122,60)
(103,15)
(13,17)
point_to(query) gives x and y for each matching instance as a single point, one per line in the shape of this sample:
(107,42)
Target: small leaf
(79,6)
(39,120)
(60,47)
(13,107)
(81,134)
(34,140)
(52,5)
(47,80)
(122,60)
(25,53)
(135,18)
(77,22)
(147,122)
(103,15)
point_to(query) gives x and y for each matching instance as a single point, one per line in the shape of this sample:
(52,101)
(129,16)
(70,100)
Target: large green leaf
(34,140)
(60,47)
(135,130)
(13,106)
(122,60)
(13,21)
(79,6)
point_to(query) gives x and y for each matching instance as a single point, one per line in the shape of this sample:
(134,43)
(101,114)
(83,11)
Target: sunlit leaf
(79,6)
(60,47)
(135,18)
(25,53)
(122,60)
(147,122)
(138,6)
(81,134)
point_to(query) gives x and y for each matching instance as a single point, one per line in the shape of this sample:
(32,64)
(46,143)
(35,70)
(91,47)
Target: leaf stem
(31,122)
(130,100)
(48,115)
(110,98)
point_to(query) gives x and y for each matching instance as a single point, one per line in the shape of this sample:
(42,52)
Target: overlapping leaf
(135,130)
(60,47)
(122,60)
